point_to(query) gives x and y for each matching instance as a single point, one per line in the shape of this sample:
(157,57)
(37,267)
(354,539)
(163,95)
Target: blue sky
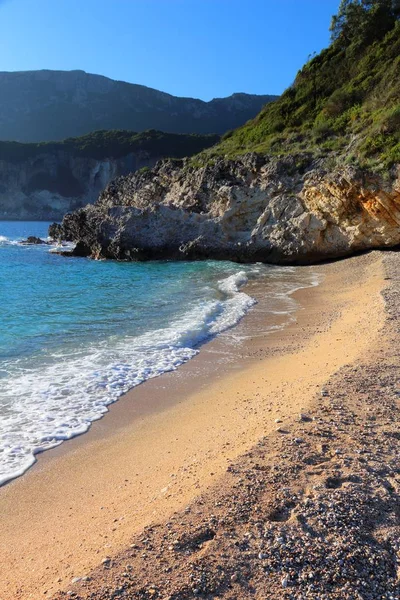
(198,48)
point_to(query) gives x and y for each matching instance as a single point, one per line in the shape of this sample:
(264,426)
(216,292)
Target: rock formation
(46,186)
(291,210)
(33,240)
(44,181)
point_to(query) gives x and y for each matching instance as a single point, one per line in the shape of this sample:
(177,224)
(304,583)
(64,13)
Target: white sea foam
(63,246)
(237,303)
(5,241)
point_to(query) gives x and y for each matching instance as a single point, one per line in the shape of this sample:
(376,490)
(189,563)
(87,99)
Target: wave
(63,246)
(47,404)
(5,241)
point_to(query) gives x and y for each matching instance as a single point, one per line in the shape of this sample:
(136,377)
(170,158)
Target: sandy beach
(186,487)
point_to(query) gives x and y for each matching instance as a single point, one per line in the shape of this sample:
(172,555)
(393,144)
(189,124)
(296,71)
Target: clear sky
(198,48)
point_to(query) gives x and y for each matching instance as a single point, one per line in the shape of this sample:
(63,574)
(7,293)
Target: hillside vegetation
(344,100)
(113,144)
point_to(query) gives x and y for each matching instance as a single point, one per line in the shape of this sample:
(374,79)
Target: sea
(76,334)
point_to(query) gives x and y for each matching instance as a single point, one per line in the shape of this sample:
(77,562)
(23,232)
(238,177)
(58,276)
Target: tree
(338,21)
(314,63)
(350,15)
(358,20)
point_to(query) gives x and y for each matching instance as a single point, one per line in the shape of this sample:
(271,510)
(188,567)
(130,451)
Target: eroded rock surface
(281,210)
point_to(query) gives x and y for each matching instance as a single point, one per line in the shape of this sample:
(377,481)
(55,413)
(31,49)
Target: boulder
(32,239)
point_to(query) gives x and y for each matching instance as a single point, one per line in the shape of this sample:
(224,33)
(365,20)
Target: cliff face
(290,211)
(46,186)
(37,106)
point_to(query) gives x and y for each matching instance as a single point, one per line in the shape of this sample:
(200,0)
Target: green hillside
(344,100)
(113,144)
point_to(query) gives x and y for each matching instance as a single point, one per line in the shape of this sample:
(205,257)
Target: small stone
(278,420)
(285,581)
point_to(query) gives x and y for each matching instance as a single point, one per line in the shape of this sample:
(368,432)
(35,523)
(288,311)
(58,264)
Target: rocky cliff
(44,181)
(47,186)
(289,210)
(45,105)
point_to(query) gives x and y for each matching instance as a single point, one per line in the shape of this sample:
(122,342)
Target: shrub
(391,121)
(322,130)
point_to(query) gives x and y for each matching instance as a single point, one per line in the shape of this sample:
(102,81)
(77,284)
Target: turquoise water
(76,334)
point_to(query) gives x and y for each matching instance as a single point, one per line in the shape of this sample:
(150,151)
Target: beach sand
(170,448)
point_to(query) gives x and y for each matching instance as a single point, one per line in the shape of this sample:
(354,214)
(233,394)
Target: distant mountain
(48,105)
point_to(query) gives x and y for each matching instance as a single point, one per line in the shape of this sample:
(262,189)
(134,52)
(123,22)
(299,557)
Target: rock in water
(32,239)
(290,210)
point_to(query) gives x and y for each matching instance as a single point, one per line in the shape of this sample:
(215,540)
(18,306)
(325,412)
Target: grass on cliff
(345,100)
(113,144)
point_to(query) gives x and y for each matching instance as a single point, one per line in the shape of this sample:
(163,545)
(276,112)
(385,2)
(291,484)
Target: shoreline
(93,487)
(138,402)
